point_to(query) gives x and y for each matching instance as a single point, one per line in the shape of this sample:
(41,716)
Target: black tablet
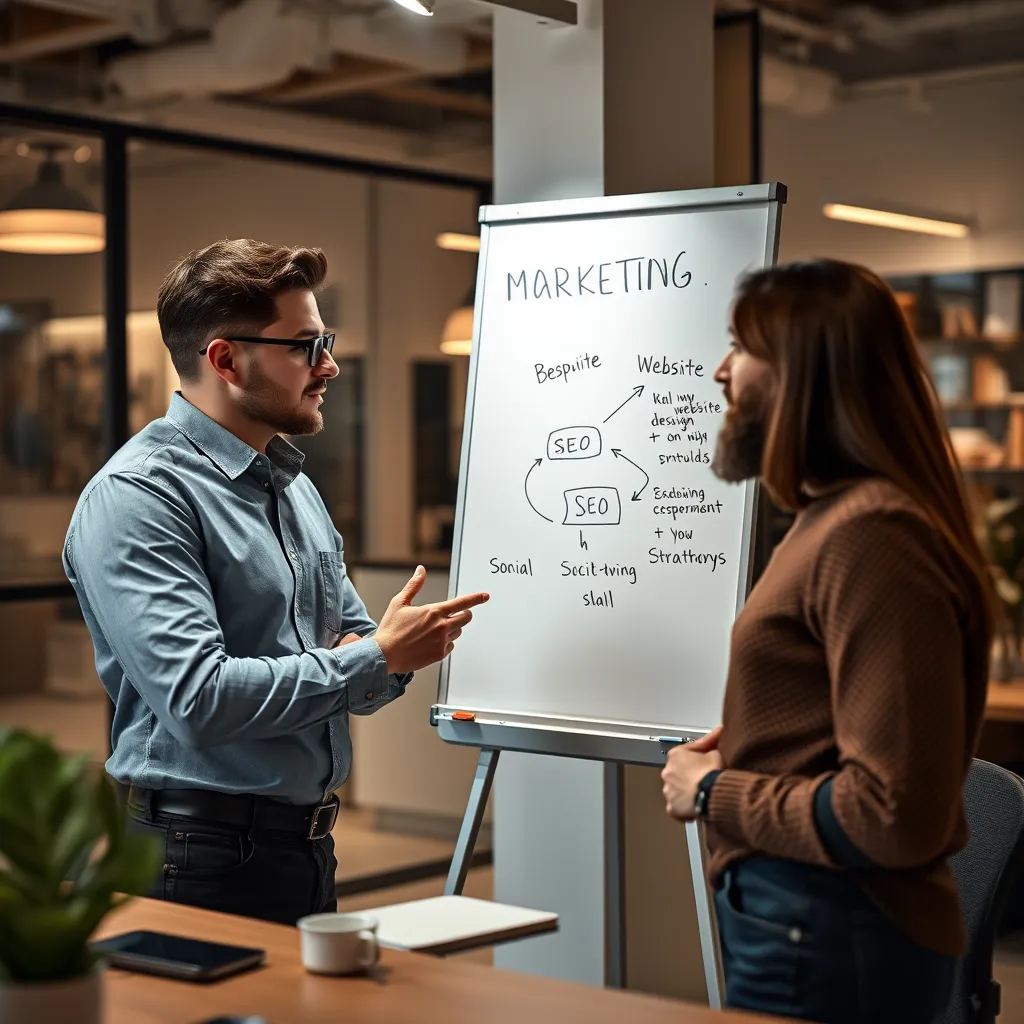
(176,956)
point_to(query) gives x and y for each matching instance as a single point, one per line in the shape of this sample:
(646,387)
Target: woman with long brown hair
(832,792)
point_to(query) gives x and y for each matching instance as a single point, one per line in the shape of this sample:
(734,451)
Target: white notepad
(452,924)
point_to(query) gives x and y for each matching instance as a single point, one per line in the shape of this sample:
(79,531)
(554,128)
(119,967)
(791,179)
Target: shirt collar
(226,451)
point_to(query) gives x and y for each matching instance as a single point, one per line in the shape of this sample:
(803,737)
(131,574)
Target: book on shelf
(908,304)
(1015,439)
(951,376)
(1002,305)
(975,449)
(959,321)
(991,383)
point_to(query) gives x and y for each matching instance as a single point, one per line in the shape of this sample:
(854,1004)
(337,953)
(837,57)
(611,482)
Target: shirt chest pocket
(332,575)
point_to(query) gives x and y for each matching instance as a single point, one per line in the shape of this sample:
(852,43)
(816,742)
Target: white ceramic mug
(338,943)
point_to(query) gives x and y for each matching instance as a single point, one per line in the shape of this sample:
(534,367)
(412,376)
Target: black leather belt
(252,813)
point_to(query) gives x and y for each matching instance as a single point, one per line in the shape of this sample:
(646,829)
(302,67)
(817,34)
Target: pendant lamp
(50,217)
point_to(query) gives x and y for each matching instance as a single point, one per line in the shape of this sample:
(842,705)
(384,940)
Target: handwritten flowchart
(596,505)
(588,508)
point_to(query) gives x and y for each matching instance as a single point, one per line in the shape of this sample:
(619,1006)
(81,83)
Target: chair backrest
(985,870)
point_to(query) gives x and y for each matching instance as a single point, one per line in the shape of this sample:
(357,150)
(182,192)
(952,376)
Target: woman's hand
(685,766)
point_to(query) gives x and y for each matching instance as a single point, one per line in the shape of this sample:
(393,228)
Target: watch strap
(703,799)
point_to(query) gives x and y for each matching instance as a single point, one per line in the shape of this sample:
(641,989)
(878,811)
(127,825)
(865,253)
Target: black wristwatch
(702,800)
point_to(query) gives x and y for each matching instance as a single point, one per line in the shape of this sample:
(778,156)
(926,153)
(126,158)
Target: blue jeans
(805,942)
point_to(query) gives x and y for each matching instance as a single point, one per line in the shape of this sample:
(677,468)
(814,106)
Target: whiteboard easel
(538,309)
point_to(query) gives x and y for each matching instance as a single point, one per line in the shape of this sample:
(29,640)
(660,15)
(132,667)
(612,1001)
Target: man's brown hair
(853,397)
(229,287)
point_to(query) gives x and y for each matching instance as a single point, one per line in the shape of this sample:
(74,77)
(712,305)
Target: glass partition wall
(52,333)
(52,403)
(92,215)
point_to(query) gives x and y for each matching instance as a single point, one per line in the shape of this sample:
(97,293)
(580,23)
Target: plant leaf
(76,833)
(113,816)
(67,852)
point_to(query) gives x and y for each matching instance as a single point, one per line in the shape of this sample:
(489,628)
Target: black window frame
(116,137)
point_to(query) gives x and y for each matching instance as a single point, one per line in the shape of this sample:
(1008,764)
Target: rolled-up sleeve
(136,551)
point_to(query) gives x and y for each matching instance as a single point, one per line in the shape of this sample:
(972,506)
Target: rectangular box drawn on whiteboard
(574,443)
(592,506)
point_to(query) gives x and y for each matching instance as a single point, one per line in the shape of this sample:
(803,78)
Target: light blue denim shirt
(213,583)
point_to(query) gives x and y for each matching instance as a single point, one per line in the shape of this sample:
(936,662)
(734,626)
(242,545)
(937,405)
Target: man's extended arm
(149,592)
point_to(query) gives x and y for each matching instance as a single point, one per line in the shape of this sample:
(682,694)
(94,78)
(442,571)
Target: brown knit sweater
(859,656)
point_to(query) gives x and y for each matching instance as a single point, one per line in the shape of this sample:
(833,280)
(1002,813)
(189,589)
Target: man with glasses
(213,582)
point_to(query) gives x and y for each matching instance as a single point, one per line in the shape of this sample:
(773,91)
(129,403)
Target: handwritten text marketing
(635,274)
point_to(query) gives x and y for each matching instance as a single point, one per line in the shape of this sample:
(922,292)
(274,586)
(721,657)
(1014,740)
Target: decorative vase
(70,1000)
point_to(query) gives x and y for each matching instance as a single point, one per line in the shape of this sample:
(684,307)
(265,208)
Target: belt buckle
(314,821)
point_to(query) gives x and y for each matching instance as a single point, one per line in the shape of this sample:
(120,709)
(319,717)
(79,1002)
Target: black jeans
(274,876)
(805,942)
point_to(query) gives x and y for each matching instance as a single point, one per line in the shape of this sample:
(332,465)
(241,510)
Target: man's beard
(740,446)
(265,401)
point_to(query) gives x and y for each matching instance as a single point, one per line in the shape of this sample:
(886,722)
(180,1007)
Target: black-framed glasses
(315,347)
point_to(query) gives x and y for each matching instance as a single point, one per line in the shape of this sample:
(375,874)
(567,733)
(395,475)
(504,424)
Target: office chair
(985,870)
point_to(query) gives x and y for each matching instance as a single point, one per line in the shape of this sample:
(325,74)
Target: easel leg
(706,923)
(614,867)
(471,821)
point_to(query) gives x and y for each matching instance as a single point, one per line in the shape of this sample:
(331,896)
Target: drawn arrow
(526,488)
(636,494)
(637,392)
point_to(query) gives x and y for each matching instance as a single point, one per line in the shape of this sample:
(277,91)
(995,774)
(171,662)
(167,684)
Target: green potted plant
(67,858)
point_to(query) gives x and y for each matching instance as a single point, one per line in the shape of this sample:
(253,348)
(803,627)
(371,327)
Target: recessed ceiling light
(424,7)
(899,221)
(459,243)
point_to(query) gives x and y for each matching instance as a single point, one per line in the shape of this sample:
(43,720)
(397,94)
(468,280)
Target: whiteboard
(616,561)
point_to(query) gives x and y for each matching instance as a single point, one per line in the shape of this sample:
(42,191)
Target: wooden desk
(414,988)
(1005,702)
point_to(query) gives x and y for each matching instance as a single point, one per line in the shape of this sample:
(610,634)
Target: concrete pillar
(623,102)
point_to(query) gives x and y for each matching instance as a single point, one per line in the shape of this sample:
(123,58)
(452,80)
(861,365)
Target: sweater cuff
(772,815)
(726,802)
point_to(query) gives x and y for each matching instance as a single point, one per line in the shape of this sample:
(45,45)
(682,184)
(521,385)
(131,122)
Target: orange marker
(464,716)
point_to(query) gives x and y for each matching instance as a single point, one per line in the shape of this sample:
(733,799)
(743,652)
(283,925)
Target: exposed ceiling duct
(355,59)
(898,31)
(260,43)
(250,46)
(419,45)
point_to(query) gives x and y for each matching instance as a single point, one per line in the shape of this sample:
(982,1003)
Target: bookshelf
(971,336)
(970,329)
